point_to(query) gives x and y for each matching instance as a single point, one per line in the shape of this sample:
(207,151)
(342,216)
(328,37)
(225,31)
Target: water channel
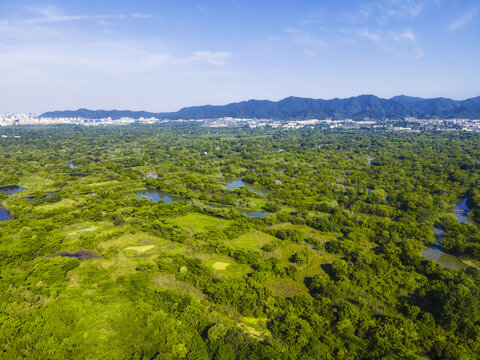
(157,195)
(11,189)
(239,183)
(434,252)
(4,214)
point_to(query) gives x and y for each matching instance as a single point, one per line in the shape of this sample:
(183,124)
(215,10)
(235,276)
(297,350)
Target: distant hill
(356,108)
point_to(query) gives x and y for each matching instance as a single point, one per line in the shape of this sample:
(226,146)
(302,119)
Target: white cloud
(141,16)
(383,12)
(305,38)
(52,14)
(213,58)
(402,43)
(463,20)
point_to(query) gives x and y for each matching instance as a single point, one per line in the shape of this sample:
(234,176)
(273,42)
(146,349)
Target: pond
(461,212)
(259,214)
(157,195)
(80,255)
(151,175)
(239,183)
(4,214)
(435,253)
(72,165)
(11,189)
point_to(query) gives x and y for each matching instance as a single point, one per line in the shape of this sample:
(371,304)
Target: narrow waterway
(435,251)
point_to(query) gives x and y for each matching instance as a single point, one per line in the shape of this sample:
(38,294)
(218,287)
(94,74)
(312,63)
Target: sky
(161,55)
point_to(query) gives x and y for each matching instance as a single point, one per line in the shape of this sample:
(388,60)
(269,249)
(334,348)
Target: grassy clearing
(225,265)
(257,204)
(104,183)
(170,281)
(140,248)
(287,250)
(252,239)
(220,265)
(65,203)
(78,232)
(308,231)
(141,242)
(256,327)
(314,267)
(34,182)
(286,288)
(195,223)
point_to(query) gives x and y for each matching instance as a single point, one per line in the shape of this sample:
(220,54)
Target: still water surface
(435,252)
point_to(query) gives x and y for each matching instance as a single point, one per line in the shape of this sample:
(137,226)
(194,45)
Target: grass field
(195,223)
(252,240)
(34,182)
(140,248)
(286,288)
(225,265)
(308,231)
(65,203)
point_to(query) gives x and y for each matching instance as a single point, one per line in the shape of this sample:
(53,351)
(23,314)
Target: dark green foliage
(335,270)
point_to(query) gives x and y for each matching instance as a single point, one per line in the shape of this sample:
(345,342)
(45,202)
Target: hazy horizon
(160,57)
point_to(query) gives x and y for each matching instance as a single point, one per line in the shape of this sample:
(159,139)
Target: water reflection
(435,253)
(461,212)
(239,183)
(12,189)
(4,214)
(157,195)
(259,214)
(151,175)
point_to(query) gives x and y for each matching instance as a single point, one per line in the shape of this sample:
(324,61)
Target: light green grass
(65,203)
(195,223)
(140,248)
(34,182)
(286,288)
(233,269)
(308,231)
(252,239)
(141,242)
(314,267)
(88,229)
(256,327)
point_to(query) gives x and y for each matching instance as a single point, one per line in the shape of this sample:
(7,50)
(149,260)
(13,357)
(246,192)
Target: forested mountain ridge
(357,108)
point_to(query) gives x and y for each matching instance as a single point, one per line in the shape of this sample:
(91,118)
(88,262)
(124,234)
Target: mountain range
(357,108)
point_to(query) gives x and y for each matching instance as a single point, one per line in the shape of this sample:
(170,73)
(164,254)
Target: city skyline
(158,56)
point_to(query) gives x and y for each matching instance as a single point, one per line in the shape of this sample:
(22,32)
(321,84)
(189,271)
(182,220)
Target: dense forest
(185,242)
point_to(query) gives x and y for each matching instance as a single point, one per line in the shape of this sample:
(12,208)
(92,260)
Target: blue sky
(161,55)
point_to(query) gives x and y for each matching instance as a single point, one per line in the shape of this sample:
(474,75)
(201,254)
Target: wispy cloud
(213,58)
(464,20)
(141,16)
(40,44)
(305,38)
(51,14)
(402,43)
(382,12)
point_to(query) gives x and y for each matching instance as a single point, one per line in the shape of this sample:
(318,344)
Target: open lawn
(252,239)
(139,249)
(65,203)
(195,223)
(225,265)
(34,182)
(286,288)
(308,231)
